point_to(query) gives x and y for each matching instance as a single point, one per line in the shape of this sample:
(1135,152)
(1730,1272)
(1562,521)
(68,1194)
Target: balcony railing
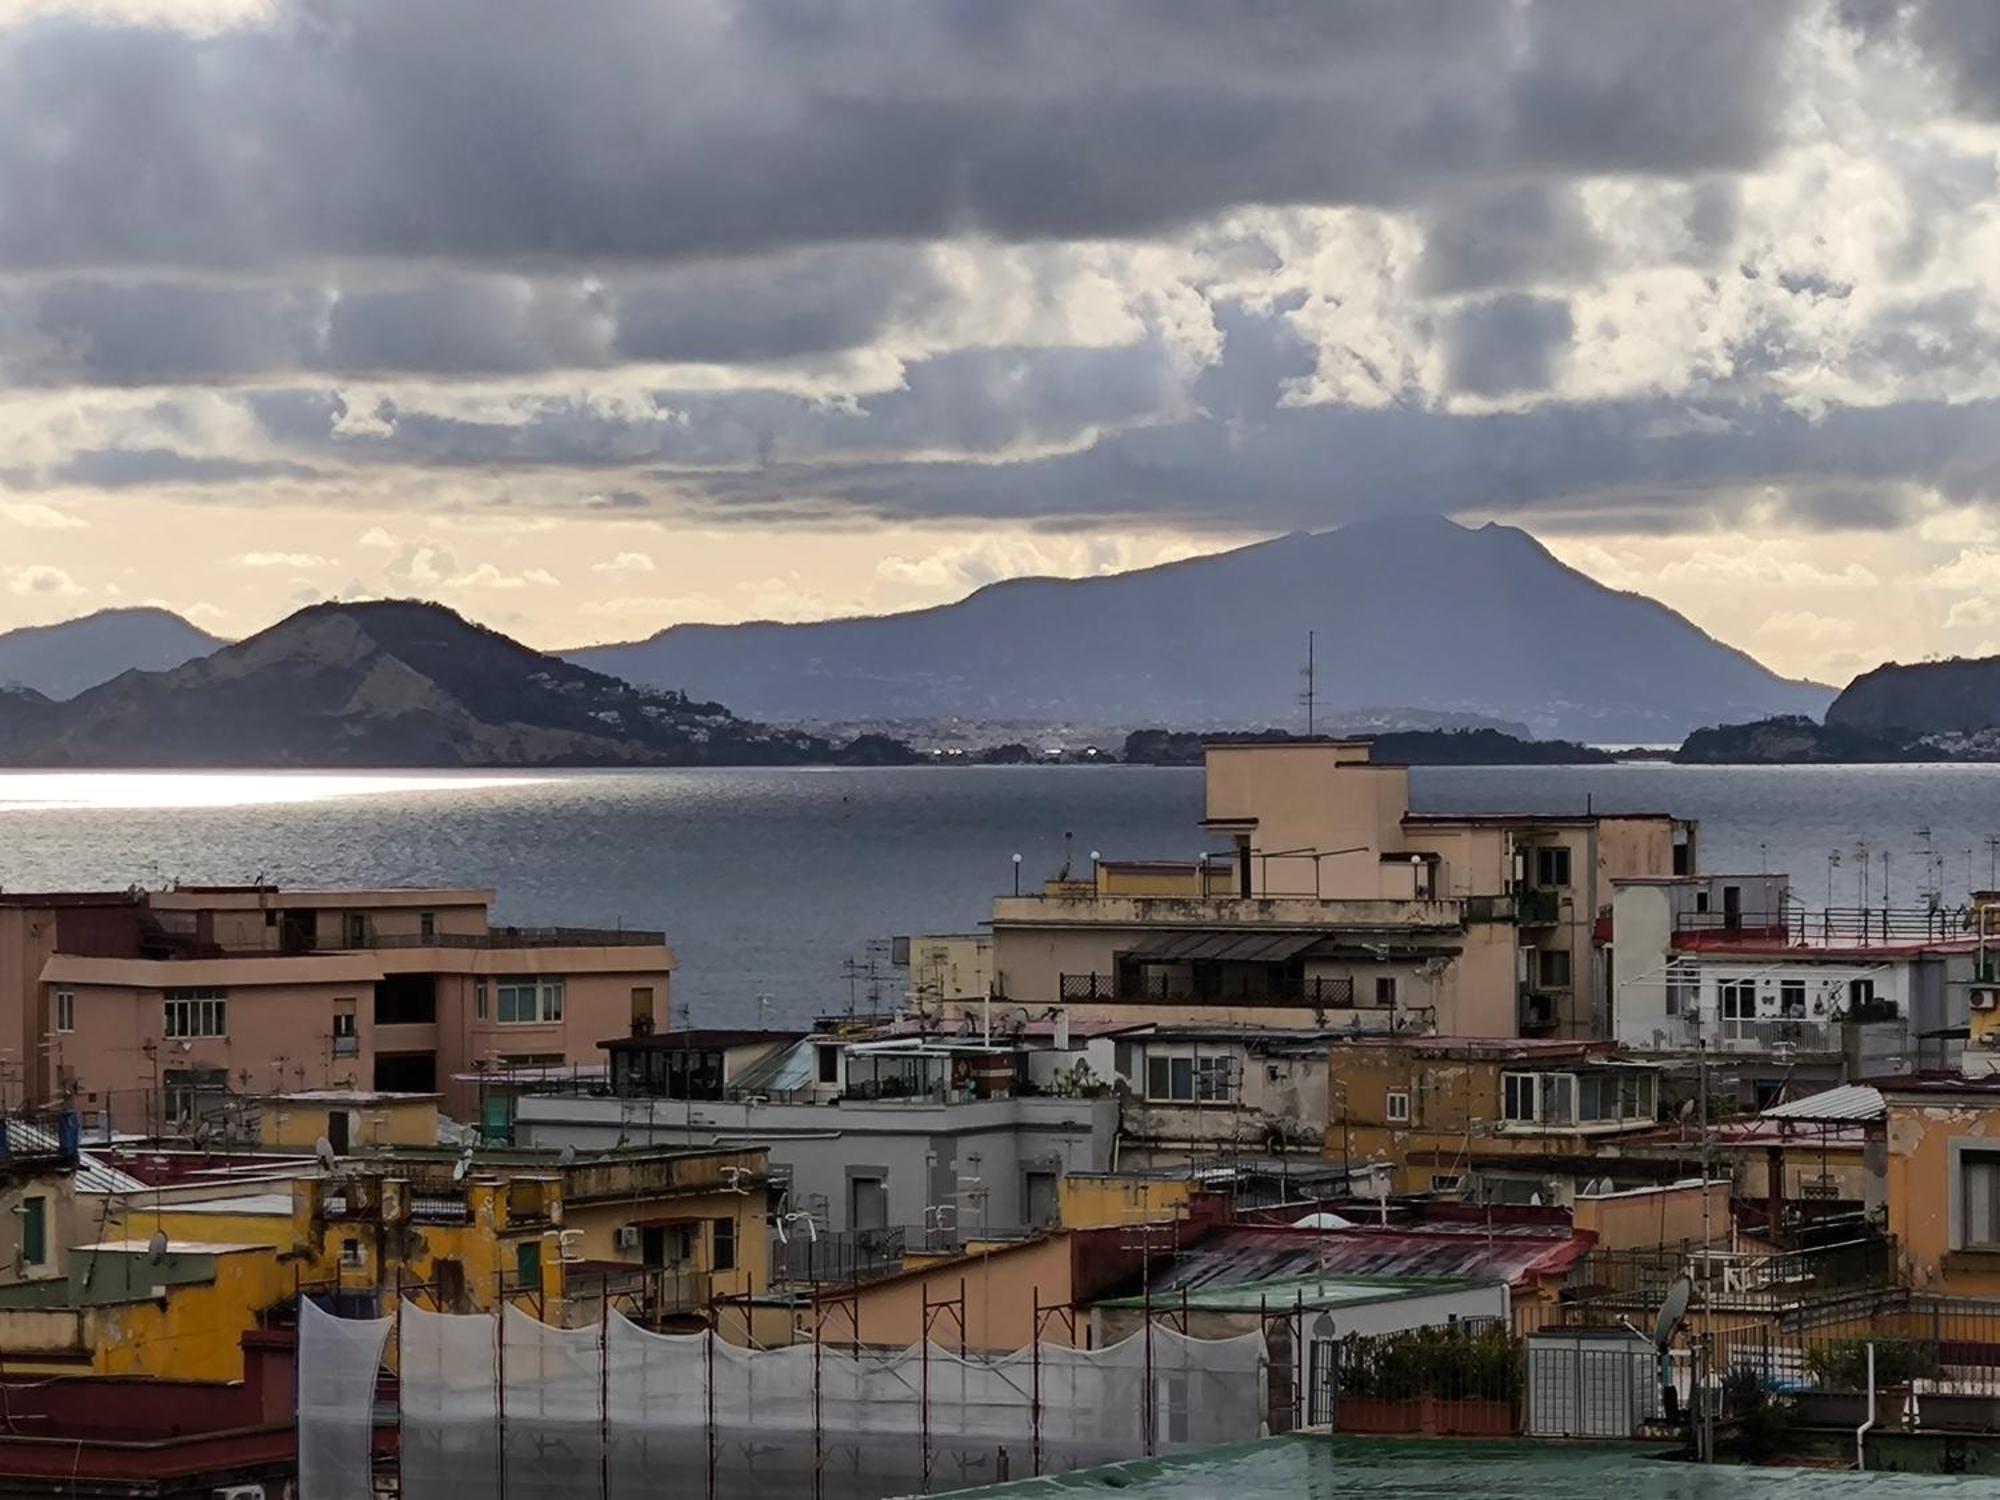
(1538,908)
(1328,993)
(1734,1034)
(847,1255)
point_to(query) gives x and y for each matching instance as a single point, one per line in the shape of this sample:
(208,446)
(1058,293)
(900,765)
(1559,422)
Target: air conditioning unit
(627,1237)
(237,1492)
(1986,999)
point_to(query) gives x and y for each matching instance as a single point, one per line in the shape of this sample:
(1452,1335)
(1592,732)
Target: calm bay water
(766,880)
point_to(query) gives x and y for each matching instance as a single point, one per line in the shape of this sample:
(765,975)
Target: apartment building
(1792,1000)
(1497,1120)
(157,1006)
(1334,904)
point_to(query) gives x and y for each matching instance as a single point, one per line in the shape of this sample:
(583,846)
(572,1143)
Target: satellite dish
(1672,1310)
(323,1149)
(156,1247)
(460,1167)
(568,1156)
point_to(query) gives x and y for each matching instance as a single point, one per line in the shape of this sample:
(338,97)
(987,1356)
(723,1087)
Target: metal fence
(845,1256)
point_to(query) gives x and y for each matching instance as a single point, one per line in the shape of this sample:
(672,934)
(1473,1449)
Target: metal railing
(1614,1281)
(846,1256)
(1760,1034)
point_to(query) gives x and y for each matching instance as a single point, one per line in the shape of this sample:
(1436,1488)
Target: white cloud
(1973,568)
(1808,625)
(36,517)
(282,560)
(487,576)
(375,536)
(44,581)
(625,562)
(1976,611)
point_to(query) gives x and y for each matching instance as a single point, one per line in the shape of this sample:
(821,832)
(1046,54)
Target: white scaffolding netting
(339,1359)
(531,1408)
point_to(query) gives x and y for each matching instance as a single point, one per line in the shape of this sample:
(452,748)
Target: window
(1552,866)
(1792,998)
(1190,1080)
(1596,1097)
(867,1203)
(346,1029)
(529,998)
(34,1231)
(479,1001)
(1558,1099)
(1519,1098)
(350,1253)
(1979,1185)
(427,924)
(642,1009)
(1701,902)
(528,1263)
(1552,968)
(1738,998)
(192,1013)
(65,1010)
(1860,995)
(1446,1182)
(1385,990)
(357,930)
(722,1242)
(1397,1107)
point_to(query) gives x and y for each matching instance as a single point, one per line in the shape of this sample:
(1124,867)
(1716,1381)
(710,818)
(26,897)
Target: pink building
(155,1005)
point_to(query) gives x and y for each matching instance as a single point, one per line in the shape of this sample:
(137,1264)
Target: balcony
(1682,1033)
(1538,908)
(1333,993)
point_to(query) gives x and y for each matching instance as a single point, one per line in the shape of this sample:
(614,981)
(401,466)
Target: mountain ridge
(68,657)
(982,656)
(383,683)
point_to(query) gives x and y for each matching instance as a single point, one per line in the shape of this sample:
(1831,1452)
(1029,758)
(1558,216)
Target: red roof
(1515,1253)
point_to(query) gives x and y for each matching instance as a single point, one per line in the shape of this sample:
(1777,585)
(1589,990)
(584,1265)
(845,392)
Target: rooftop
(1329,1468)
(1314,1291)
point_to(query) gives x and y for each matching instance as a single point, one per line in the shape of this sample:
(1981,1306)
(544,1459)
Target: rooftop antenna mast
(1311,676)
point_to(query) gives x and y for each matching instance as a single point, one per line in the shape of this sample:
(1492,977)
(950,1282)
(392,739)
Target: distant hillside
(1961,696)
(1417,613)
(386,684)
(1405,747)
(60,661)
(1796,740)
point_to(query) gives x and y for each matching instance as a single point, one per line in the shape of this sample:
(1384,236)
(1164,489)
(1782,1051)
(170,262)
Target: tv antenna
(1311,674)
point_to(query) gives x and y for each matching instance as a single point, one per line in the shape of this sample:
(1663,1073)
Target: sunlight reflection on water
(33,791)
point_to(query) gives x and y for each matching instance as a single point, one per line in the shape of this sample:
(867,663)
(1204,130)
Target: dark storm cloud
(502,129)
(97,330)
(1533,233)
(1507,344)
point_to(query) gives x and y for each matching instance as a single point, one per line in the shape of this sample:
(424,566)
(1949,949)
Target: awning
(1227,946)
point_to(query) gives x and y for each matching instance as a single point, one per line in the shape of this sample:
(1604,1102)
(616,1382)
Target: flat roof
(349,1096)
(255,1205)
(174,1247)
(1420,1468)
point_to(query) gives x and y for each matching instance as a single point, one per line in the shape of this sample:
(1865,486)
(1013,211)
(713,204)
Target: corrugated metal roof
(1514,1254)
(1234,946)
(1850,1101)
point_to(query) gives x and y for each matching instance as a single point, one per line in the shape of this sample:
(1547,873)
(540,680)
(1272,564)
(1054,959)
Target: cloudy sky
(594,316)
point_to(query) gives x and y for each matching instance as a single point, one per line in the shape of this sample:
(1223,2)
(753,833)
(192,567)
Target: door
(868,1203)
(337,1131)
(1042,1204)
(1732,907)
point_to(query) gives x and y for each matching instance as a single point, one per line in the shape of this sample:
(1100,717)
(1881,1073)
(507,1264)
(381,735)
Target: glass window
(528,998)
(479,1001)
(1552,866)
(723,1243)
(1182,1069)
(195,1013)
(427,924)
(1792,998)
(1385,989)
(65,1010)
(1553,966)
(1596,1097)
(1398,1110)
(1979,1185)
(1158,1083)
(1518,1098)
(1739,999)
(1558,1098)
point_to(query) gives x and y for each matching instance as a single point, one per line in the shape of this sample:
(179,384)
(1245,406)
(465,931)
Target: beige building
(157,1007)
(1336,905)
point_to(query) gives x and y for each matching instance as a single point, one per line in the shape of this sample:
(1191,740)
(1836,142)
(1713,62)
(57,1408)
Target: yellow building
(1525,1118)
(347,1119)
(664,1235)
(1941,1179)
(1093,1200)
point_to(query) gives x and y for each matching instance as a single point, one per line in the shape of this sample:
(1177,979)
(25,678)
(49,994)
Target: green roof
(1280,1292)
(1423,1468)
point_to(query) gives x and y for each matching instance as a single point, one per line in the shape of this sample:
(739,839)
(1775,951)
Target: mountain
(60,661)
(1414,612)
(1794,740)
(392,683)
(1960,696)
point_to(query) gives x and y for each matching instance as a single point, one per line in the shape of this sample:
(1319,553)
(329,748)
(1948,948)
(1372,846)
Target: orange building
(157,1006)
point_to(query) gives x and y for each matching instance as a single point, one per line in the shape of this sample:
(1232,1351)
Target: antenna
(1311,674)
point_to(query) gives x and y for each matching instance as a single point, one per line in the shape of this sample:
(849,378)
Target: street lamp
(1017,874)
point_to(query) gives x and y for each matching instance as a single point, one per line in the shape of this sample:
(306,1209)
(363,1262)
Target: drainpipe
(1861,1432)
